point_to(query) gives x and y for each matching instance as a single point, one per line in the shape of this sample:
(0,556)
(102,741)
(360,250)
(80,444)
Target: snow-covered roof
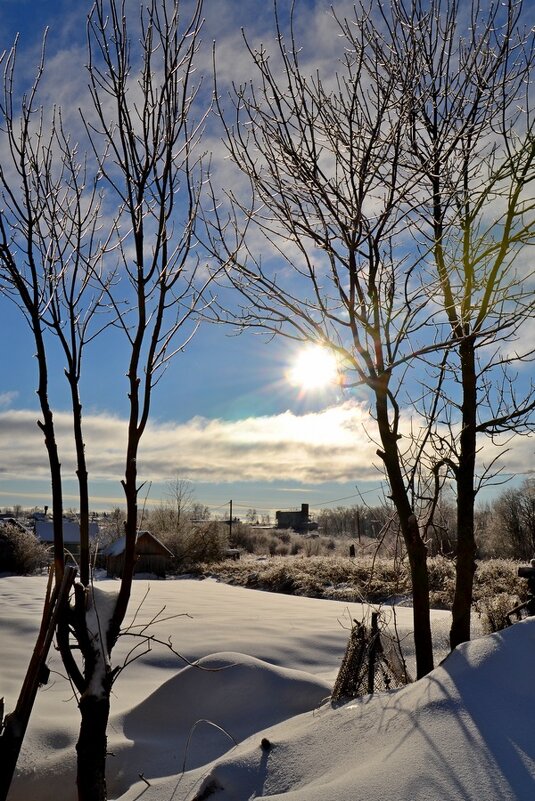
(44,530)
(118,546)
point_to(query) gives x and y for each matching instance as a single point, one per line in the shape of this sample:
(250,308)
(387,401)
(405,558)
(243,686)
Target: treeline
(505,527)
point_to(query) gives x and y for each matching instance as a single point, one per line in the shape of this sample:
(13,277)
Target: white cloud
(331,445)
(7,398)
(328,446)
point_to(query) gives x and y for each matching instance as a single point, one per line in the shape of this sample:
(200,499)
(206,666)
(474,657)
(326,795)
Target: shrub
(196,544)
(250,540)
(493,612)
(312,547)
(374,580)
(497,576)
(20,551)
(441,582)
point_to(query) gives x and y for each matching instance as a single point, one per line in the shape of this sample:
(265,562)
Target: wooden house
(152,556)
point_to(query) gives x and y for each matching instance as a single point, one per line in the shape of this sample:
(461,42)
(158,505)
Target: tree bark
(423,641)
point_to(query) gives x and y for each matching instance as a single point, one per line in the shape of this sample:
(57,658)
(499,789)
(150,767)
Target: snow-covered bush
(365,578)
(493,612)
(198,543)
(20,551)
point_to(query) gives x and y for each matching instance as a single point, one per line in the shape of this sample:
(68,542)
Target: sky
(227,415)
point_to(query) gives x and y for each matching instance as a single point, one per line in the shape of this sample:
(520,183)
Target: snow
(251,719)
(101,606)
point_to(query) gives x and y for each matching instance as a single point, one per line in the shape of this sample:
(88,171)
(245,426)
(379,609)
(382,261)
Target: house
(152,556)
(299,520)
(44,531)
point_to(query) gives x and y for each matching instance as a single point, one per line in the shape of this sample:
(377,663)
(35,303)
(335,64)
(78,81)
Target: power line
(346,497)
(266,507)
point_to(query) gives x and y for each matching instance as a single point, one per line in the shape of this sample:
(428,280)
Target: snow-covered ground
(253,720)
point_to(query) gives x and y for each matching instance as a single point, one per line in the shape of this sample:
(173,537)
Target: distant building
(298,520)
(44,531)
(152,556)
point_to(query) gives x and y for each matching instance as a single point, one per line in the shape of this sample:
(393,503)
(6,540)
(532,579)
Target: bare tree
(180,492)
(50,263)
(200,512)
(142,142)
(377,188)
(513,521)
(48,222)
(331,199)
(472,142)
(251,516)
(22,238)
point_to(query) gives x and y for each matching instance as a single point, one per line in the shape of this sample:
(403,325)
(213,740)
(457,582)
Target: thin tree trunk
(131,492)
(416,549)
(466,546)
(82,475)
(47,427)
(423,641)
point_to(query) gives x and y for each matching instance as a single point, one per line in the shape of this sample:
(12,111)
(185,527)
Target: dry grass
(365,579)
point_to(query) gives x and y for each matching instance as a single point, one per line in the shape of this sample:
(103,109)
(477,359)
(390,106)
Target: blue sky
(225,415)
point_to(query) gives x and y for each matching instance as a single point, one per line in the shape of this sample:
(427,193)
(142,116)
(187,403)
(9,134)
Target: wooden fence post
(372,653)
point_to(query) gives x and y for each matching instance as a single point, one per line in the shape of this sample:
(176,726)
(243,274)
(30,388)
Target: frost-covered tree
(390,201)
(140,271)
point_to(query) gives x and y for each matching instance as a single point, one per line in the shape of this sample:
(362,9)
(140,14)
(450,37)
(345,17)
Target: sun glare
(314,368)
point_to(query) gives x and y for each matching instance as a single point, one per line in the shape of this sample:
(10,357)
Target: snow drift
(464,732)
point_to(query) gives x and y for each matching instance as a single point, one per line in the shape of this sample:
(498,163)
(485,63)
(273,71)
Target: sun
(314,368)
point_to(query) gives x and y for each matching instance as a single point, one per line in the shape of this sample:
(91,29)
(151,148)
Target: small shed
(152,556)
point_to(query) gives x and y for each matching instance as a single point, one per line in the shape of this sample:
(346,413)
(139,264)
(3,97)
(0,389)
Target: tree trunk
(47,427)
(131,492)
(416,549)
(81,472)
(91,748)
(423,641)
(466,546)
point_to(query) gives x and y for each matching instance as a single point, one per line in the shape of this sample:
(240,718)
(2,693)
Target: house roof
(44,530)
(118,546)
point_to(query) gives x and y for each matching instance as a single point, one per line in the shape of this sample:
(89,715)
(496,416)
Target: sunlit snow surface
(252,720)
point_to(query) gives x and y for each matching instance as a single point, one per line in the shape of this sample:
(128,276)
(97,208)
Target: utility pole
(230,523)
